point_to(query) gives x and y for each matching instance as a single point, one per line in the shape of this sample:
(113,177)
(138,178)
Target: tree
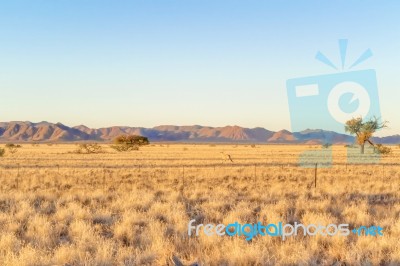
(129,142)
(364,130)
(132,139)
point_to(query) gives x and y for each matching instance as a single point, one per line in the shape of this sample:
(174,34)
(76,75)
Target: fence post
(17,181)
(104,179)
(255,173)
(183,176)
(315,175)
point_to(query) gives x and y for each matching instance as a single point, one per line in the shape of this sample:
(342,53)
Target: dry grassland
(59,208)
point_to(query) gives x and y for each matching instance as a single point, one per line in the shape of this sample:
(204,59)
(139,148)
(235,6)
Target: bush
(2,152)
(124,147)
(12,145)
(380,149)
(89,148)
(326,145)
(12,148)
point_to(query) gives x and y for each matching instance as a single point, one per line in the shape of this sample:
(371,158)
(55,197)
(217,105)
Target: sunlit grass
(59,208)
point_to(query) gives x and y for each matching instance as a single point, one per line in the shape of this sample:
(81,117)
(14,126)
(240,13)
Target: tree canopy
(129,142)
(364,130)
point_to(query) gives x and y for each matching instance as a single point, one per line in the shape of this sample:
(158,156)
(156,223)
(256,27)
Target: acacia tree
(129,142)
(364,130)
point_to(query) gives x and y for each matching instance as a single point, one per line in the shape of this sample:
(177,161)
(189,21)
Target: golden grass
(59,208)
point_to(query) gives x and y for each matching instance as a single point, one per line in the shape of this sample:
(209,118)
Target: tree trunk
(362,148)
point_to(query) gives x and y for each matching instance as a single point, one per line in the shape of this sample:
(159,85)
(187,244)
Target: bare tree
(364,130)
(226,157)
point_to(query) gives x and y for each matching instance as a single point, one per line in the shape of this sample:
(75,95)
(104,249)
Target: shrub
(326,145)
(89,148)
(380,149)
(124,147)
(12,145)
(12,148)
(2,152)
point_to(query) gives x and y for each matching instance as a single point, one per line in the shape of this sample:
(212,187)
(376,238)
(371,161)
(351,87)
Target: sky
(209,62)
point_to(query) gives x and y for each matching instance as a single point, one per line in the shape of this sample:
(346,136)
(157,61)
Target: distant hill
(18,131)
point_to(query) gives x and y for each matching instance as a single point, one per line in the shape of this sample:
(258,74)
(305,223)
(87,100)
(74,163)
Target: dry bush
(327,145)
(124,147)
(89,148)
(12,145)
(380,149)
(12,148)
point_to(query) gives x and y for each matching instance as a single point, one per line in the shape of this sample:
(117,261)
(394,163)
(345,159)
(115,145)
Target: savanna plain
(58,207)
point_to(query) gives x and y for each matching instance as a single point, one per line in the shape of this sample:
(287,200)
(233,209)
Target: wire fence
(207,165)
(37,176)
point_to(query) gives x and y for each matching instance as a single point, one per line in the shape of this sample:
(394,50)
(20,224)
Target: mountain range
(18,131)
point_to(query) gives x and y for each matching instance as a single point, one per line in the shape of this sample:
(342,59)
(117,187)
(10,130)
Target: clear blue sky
(146,63)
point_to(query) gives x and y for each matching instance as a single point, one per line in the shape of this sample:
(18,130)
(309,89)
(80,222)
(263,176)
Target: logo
(328,101)
(281,230)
